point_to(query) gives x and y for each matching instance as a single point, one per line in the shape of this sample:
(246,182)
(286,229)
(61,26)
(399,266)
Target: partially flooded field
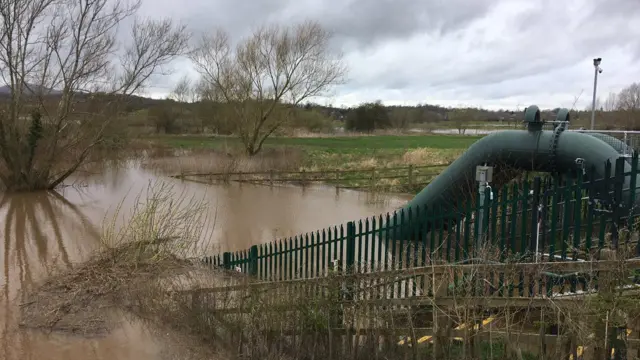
(48,233)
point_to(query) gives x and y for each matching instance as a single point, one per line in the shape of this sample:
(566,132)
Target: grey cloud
(549,45)
(356,24)
(615,8)
(365,23)
(237,17)
(545,48)
(623,15)
(594,24)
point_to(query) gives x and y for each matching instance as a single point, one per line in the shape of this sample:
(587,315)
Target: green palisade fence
(541,219)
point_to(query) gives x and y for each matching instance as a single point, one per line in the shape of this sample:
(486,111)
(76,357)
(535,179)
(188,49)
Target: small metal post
(481,188)
(484,175)
(626,143)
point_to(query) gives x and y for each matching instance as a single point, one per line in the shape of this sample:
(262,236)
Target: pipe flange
(553,146)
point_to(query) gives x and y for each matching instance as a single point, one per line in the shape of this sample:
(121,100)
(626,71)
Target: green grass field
(345,152)
(338,144)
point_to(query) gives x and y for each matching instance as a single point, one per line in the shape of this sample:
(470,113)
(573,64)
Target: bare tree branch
(184,91)
(53,55)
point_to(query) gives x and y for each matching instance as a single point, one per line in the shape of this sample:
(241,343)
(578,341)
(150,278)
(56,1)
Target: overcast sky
(494,54)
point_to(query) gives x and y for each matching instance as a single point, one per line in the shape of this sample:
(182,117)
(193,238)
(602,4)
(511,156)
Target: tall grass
(151,241)
(214,161)
(161,224)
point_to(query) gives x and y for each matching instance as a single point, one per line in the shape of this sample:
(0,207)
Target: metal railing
(630,138)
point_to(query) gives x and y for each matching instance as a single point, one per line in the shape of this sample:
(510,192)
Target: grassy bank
(338,152)
(381,142)
(312,154)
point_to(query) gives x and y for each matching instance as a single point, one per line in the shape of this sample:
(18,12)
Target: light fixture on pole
(597,70)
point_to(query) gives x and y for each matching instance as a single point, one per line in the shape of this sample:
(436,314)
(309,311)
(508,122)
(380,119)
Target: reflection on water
(46,232)
(37,230)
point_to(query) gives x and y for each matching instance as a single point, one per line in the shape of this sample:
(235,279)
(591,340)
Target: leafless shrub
(152,243)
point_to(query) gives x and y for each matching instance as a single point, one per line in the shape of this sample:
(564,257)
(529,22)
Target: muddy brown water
(43,233)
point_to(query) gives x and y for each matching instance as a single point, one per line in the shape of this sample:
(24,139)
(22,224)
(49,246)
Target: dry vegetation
(153,242)
(294,164)
(213,161)
(340,316)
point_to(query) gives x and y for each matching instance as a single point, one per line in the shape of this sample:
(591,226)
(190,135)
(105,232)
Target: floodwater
(43,233)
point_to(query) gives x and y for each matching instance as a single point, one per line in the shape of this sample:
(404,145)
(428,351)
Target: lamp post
(597,70)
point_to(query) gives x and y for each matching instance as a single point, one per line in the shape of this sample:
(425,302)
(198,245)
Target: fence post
(351,257)
(410,175)
(618,206)
(536,208)
(253,260)
(351,247)
(226,260)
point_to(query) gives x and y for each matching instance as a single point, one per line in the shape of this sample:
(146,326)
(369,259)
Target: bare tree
(184,91)
(611,103)
(66,72)
(459,119)
(266,73)
(629,98)
(628,106)
(402,117)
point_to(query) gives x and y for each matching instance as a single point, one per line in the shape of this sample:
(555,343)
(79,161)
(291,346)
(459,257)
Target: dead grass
(426,156)
(80,301)
(213,161)
(153,243)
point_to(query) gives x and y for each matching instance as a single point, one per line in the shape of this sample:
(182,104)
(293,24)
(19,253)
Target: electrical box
(484,174)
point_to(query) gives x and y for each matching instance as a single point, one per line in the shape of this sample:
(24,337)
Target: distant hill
(6,90)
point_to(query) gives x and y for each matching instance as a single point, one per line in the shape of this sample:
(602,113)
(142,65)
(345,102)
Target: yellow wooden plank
(429,338)
(580,349)
(424,338)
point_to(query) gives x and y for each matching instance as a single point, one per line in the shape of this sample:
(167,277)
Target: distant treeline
(618,111)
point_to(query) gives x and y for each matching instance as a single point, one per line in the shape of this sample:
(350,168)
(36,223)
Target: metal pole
(626,143)
(593,101)
(482,187)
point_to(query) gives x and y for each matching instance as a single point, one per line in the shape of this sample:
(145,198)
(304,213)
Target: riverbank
(357,154)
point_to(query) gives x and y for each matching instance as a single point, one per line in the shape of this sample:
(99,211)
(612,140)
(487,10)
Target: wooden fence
(533,307)
(537,220)
(408,177)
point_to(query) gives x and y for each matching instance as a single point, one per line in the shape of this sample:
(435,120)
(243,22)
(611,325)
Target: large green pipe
(514,149)
(520,150)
